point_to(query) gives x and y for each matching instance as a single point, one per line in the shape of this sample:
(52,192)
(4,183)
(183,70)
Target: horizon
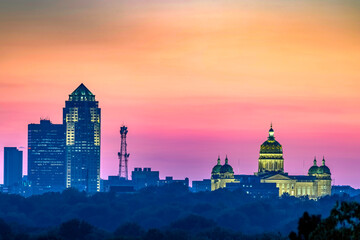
(190,81)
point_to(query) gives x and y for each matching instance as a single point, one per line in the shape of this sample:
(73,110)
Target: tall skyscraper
(13,159)
(46,156)
(81,117)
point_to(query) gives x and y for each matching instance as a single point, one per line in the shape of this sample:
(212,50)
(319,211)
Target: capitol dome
(313,169)
(271,145)
(271,155)
(226,168)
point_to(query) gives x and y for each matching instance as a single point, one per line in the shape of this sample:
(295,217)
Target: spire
(226,160)
(218,160)
(315,161)
(323,161)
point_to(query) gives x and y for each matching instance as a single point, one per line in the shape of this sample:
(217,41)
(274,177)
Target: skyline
(191,81)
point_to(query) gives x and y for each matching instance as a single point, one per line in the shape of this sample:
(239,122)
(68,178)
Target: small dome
(226,168)
(323,169)
(313,169)
(216,168)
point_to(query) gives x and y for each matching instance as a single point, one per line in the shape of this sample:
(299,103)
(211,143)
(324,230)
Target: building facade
(13,160)
(46,157)
(271,170)
(82,118)
(145,177)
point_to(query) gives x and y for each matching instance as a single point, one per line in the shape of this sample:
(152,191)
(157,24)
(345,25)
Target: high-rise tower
(46,156)
(123,155)
(13,160)
(82,118)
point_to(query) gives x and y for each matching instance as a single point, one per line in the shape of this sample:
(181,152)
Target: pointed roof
(81,90)
(81,93)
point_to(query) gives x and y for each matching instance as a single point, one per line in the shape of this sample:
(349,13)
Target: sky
(191,79)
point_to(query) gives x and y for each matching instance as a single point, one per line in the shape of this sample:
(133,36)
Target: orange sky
(192,79)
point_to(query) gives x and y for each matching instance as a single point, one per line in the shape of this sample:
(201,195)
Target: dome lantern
(271,133)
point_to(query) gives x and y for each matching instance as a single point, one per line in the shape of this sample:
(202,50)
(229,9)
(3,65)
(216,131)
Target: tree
(5,231)
(307,224)
(154,234)
(193,223)
(129,230)
(343,223)
(75,230)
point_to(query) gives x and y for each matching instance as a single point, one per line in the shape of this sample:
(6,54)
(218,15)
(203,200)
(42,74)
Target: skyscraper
(81,118)
(46,156)
(12,166)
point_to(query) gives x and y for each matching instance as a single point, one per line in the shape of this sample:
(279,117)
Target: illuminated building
(271,170)
(271,155)
(13,160)
(46,156)
(221,175)
(81,118)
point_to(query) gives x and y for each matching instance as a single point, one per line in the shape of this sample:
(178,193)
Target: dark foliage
(343,223)
(307,224)
(129,230)
(169,212)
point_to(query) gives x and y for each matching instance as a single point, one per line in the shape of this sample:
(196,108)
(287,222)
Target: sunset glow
(191,81)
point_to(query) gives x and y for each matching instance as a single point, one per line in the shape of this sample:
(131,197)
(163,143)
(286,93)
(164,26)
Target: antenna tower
(123,155)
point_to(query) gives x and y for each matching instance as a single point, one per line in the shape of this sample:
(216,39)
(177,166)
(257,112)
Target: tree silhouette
(307,224)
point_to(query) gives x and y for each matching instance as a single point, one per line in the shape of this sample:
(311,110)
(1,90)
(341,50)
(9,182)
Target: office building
(13,160)
(81,118)
(46,156)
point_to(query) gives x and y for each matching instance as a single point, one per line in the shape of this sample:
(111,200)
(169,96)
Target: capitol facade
(317,183)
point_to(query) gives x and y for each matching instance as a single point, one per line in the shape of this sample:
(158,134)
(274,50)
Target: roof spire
(323,161)
(226,160)
(218,160)
(315,161)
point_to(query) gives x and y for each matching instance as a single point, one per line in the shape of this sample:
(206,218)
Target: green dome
(313,169)
(226,168)
(323,169)
(217,167)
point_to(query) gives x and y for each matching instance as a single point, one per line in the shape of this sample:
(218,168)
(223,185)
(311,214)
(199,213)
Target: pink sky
(191,80)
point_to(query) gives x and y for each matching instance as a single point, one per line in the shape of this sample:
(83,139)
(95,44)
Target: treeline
(190,228)
(157,213)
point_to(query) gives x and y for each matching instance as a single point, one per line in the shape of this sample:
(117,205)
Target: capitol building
(315,184)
